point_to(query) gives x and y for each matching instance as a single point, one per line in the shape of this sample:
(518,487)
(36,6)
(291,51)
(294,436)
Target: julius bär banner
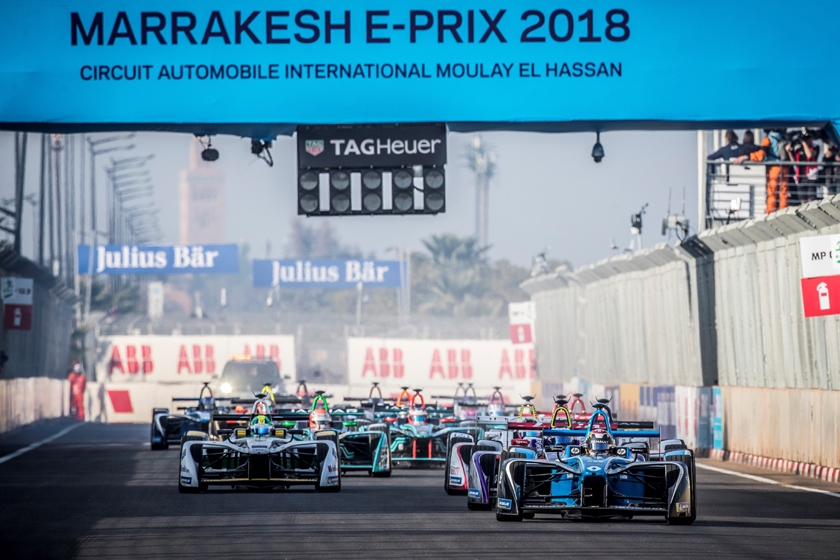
(185,358)
(436,363)
(326,273)
(159,259)
(248,63)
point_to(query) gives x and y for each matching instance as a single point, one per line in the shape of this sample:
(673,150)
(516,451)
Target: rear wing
(614,433)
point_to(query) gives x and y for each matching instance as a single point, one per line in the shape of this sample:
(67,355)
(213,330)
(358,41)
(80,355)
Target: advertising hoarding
(502,61)
(426,364)
(185,359)
(326,273)
(159,259)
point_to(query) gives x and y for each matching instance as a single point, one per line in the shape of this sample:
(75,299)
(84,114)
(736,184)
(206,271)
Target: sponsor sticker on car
(186,480)
(473,493)
(684,507)
(456,480)
(504,504)
(332,480)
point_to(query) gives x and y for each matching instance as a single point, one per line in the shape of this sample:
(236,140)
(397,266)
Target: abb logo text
(390,364)
(521,369)
(134,362)
(457,366)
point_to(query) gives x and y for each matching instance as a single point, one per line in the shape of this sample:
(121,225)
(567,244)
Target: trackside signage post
(244,64)
(326,273)
(17,303)
(820,283)
(159,259)
(522,316)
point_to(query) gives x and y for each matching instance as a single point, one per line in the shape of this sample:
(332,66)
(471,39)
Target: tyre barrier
(829,474)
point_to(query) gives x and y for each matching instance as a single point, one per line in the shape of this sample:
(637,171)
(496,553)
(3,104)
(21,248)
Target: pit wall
(27,399)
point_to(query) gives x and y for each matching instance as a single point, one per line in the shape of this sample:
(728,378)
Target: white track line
(767,480)
(37,444)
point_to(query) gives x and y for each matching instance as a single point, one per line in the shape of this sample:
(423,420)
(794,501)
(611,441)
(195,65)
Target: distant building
(201,198)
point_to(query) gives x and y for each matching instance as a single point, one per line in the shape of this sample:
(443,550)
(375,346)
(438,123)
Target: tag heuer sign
(361,146)
(314,147)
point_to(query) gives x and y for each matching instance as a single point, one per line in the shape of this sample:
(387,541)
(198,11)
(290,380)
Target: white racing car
(249,451)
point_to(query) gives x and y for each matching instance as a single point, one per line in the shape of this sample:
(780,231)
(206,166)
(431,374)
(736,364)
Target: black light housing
(402,191)
(434,190)
(340,192)
(371,191)
(309,202)
(597,149)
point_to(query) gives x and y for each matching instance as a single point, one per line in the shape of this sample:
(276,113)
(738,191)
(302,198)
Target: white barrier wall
(441,364)
(184,359)
(28,399)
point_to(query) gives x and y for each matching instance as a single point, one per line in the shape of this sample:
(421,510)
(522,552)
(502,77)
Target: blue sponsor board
(159,259)
(717,417)
(639,62)
(326,273)
(504,504)
(473,493)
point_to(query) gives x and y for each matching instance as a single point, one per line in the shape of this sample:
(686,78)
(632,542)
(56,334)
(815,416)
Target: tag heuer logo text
(314,147)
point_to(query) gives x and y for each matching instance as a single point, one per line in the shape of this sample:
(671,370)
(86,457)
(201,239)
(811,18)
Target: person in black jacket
(732,149)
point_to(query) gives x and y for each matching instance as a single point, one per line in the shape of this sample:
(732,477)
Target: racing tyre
(689,461)
(478,507)
(163,444)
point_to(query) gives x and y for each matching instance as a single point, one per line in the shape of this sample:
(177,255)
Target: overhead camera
(597,149)
(260,148)
(209,153)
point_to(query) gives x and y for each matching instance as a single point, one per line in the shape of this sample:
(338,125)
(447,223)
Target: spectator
(749,146)
(78,383)
(830,174)
(774,147)
(732,148)
(806,175)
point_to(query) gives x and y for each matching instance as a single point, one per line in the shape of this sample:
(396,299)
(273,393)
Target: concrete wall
(25,400)
(43,351)
(800,425)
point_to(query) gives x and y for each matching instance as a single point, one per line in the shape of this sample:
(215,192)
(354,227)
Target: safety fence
(27,399)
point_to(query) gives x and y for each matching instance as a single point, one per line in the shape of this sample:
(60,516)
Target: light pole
(404,291)
(483,163)
(92,144)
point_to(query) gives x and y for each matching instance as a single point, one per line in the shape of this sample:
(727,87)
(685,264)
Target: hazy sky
(547,192)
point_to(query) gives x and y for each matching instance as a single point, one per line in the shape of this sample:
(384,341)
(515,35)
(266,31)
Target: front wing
(638,488)
(208,463)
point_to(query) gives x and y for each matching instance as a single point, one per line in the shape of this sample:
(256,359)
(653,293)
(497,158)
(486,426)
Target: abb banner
(185,358)
(427,363)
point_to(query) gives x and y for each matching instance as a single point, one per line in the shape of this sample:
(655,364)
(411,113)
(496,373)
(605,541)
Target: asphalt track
(99,492)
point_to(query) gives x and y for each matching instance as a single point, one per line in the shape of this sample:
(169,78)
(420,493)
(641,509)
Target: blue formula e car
(168,428)
(613,473)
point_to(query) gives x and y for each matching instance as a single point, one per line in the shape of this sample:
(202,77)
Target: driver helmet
(261,425)
(260,407)
(205,403)
(319,419)
(599,442)
(496,409)
(417,417)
